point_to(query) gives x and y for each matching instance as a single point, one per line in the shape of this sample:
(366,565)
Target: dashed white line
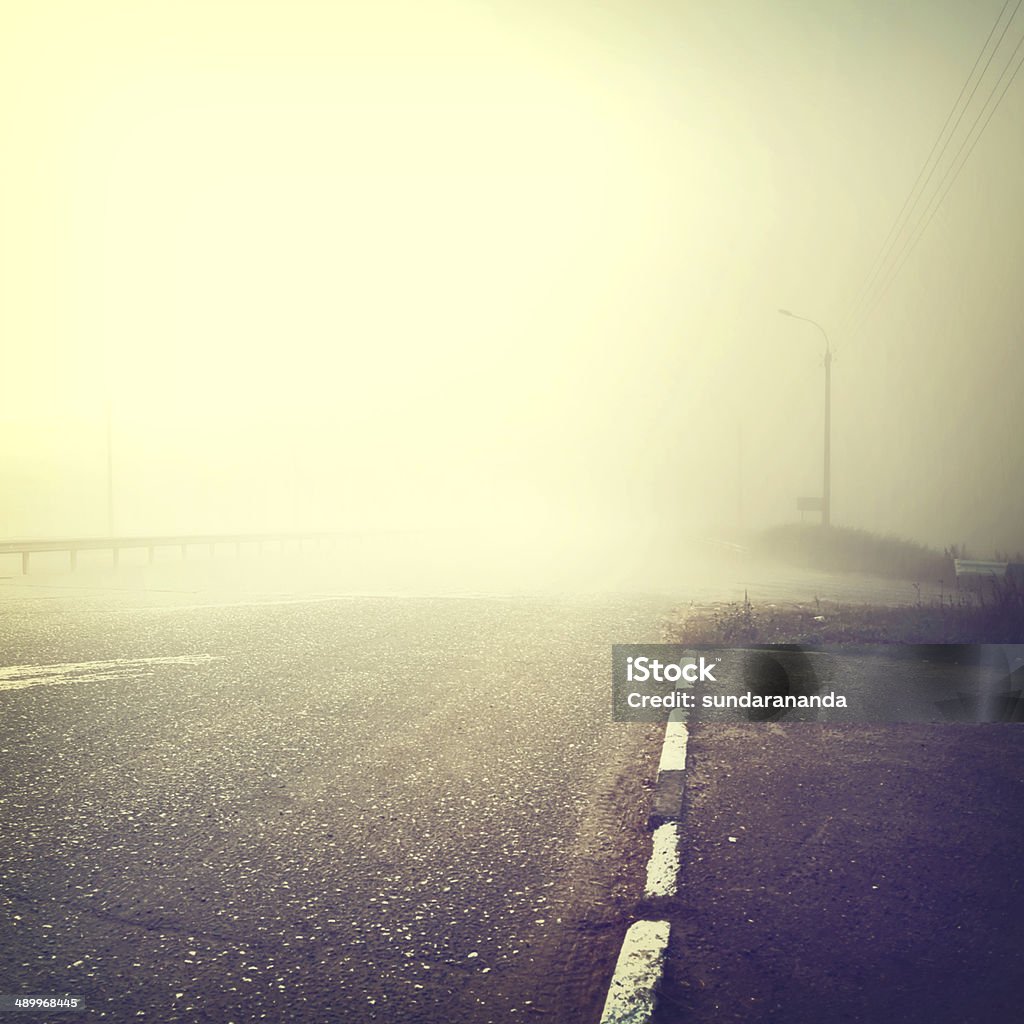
(18,677)
(641,963)
(638,972)
(663,867)
(673,750)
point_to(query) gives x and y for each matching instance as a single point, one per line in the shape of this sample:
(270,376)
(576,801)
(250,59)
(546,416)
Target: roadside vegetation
(964,619)
(982,611)
(842,549)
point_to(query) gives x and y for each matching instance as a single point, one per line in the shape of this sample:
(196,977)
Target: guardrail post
(24,563)
(74,559)
(117,556)
(152,554)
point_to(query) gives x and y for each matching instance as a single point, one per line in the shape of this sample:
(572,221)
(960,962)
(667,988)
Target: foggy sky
(515,264)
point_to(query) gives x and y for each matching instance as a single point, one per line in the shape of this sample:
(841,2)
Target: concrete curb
(638,973)
(663,867)
(670,788)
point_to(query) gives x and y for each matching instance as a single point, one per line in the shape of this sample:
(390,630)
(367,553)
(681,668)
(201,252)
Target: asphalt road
(278,802)
(850,873)
(393,809)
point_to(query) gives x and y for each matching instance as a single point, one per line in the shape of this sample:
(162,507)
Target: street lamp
(826,498)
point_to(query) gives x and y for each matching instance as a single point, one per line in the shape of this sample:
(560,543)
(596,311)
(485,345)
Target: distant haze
(513,266)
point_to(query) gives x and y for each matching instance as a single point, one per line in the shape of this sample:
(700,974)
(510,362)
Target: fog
(508,268)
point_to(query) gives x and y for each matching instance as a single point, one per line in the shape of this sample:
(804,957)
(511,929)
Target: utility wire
(882,255)
(912,240)
(891,238)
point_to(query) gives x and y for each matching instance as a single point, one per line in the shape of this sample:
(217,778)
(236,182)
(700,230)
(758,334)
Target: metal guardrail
(73,545)
(974,574)
(973,567)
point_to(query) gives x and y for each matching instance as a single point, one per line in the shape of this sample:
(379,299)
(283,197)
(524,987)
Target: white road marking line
(673,750)
(638,972)
(18,677)
(663,867)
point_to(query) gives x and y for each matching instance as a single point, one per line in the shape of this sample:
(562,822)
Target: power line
(908,207)
(882,255)
(930,213)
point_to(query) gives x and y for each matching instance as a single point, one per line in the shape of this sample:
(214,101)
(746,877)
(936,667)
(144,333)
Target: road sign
(809,505)
(973,567)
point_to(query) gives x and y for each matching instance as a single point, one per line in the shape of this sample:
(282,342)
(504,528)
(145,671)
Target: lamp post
(826,497)
(110,470)
(107,363)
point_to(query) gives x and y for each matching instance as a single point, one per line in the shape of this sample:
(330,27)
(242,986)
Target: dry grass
(994,616)
(842,549)
(991,612)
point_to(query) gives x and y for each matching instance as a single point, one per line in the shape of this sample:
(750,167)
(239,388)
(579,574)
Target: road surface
(280,801)
(360,809)
(850,873)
